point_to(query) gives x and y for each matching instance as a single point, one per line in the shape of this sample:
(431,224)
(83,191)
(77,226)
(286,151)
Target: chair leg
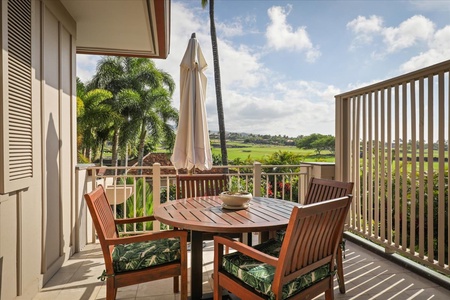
(176,284)
(111,290)
(217,290)
(340,270)
(184,288)
(329,295)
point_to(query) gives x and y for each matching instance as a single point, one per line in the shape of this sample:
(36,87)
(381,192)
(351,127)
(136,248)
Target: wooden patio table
(206,214)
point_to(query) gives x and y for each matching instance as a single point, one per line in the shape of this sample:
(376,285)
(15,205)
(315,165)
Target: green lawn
(258,152)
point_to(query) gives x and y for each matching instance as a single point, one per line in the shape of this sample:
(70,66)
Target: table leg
(265,235)
(196,265)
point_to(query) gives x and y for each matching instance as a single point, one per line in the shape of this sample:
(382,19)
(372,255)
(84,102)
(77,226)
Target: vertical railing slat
(389,165)
(358,161)
(383,142)
(156,176)
(430,195)
(421,168)
(413,205)
(397,166)
(366,155)
(369,205)
(404,198)
(448,159)
(356,150)
(441,171)
(376,171)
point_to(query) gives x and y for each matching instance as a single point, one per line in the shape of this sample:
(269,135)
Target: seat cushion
(260,275)
(280,235)
(135,256)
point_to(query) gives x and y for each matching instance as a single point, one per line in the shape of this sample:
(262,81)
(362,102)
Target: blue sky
(282,62)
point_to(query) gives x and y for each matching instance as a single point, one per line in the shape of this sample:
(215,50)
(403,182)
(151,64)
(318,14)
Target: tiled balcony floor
(367,275)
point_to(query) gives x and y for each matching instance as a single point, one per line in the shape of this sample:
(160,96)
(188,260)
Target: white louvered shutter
(16,105)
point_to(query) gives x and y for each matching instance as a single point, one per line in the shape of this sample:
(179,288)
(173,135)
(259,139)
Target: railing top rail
(128,168)
(214,167)
(422,73)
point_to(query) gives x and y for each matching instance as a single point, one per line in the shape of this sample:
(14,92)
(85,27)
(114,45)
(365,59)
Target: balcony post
(156,192)
(322,170)
(342,138)
(257,172)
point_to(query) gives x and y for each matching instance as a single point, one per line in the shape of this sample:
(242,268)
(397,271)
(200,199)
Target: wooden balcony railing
(392,141)
(131,190)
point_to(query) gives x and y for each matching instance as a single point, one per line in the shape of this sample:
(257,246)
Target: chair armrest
(134,220)
(245,249)
(151,236)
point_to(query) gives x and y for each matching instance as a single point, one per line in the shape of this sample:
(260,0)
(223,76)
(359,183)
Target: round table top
(206,214)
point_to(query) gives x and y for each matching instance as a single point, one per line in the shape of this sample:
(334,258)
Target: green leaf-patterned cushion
(280,235)
(259,275)
(135,256)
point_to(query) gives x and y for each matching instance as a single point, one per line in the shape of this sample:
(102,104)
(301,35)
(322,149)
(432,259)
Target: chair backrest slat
(325,189)
(312,237)
(198,185)
(103,219)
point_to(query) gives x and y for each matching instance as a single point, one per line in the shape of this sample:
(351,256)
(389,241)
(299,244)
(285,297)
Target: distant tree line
(318,142)
(270,140)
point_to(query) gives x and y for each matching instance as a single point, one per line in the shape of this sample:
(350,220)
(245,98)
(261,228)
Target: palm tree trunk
(101,153)
(87,153)
(220,114)
(114,150)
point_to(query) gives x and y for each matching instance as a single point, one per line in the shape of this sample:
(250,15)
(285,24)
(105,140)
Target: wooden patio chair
(199,185)
(301,266)
(325,189)
(140,258)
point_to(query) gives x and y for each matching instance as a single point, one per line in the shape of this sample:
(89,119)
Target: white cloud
(86,66)
(439,50)
(281,36)
(393,39)
(363,25)
(239,26)
(364,28)
(408,33)
(240,67)
(230,30)
(288,108)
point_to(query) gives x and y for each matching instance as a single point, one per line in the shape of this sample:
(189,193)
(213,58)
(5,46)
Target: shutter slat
(20,143)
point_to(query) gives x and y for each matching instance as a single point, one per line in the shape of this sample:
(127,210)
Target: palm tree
(133,82)
(151,114)
(215,49)
(111,75)
(95,121)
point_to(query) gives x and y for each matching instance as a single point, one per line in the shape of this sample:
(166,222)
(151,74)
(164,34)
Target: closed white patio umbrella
(192,147)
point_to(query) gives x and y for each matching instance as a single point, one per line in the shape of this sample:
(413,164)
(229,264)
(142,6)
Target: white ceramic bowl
(236,199)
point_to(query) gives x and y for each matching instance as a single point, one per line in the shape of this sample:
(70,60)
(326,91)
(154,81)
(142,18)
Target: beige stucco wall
(37,224)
